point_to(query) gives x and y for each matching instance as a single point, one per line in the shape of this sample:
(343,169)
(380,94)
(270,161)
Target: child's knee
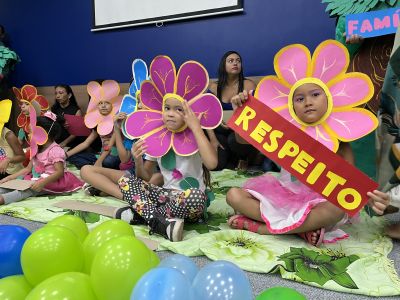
(85,170)
(233,196)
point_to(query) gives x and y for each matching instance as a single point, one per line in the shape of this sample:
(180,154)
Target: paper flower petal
(192,80)
(346,124)
(319,134)
(106,125)
(17,93)
(209,106)
(28,92)
(150,96)
(94,90)
(284,112)
(292,63)
(5,110)
(128,104)
(142,121)
(158,142)
(184,143)
(330,59)
(140,74)
(22,120)
(351,90)
(163,74)
(44,104)
(272,92)
(38,134)
(92,118)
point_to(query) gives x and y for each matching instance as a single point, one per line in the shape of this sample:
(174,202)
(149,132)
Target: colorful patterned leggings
(146,198)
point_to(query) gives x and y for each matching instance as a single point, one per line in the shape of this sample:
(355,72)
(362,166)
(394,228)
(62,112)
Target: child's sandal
(244,223)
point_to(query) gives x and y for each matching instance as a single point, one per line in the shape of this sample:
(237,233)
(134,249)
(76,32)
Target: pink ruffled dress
(43,166)
(285,204)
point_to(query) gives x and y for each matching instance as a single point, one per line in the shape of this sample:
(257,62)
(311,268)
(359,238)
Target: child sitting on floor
(46,169)
(11,152)
(306,97)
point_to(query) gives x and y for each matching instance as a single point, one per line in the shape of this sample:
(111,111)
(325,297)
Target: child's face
(233,64)
(61,95)
(310,102)
(104,107)
(24,108)
(173,114)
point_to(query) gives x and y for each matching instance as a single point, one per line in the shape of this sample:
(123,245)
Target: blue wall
(54,40)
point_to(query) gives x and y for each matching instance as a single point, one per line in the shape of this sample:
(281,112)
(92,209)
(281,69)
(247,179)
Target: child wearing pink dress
(47,168)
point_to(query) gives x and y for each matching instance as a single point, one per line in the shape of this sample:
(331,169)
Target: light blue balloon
(12,238)
(221,280)
(182,263)
(162,284)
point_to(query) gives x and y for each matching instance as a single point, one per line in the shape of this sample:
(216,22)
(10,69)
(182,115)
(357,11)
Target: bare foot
(312,237)
(393,231)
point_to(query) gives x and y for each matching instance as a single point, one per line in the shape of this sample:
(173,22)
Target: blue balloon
(221,280)
(183,264)
(162,284)
(12,238)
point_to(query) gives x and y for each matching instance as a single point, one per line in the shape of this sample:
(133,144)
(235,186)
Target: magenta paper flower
(38,136)
(107,91)
(343,120)
(188,85)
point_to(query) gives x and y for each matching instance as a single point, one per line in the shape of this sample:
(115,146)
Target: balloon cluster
(177,277)
(62,260)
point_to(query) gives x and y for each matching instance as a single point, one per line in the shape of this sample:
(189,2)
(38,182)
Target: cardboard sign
(309,161)
(17,184)
(76,125)
(374,23)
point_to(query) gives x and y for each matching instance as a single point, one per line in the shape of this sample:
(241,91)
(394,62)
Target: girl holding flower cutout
(170,127)
(47,167)
(317,96)
(103,105)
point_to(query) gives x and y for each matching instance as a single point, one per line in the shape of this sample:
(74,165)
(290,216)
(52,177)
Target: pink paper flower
(345,91)
(107,91)
(188,84)
(28,93)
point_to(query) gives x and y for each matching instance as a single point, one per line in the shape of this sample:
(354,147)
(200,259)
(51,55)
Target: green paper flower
(318,267)
(248,250)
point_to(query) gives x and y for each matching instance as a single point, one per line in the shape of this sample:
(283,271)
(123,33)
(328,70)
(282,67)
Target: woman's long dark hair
(72,100)
(223,75)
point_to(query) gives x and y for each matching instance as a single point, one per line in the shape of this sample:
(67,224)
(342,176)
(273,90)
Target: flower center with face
(310,102)
(24,108)
(173,114)
(105,108)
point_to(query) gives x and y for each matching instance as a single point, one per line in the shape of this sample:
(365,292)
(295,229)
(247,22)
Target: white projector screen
(123,13)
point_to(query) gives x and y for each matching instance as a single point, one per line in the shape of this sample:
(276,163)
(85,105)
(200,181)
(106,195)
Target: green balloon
(64,286)
(49,251)
(14,288)
(117,266)
(154,259)
(280,293)
(74,223)
(101,234)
